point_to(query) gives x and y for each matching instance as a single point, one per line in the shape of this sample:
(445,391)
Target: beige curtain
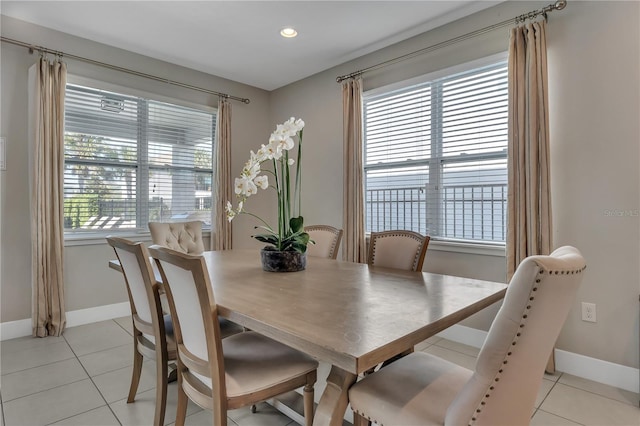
(529,195)
(47,181)
(354,245)
(221,228)
(529,229)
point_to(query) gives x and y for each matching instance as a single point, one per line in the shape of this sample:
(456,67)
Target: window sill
(497,250)
(91,238)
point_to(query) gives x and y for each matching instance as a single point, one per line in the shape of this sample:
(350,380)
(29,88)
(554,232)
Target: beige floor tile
(203,418)
(459,347)
(601,389)
(265,416)
(542,418)
(125,322)
(29,358)
(1,415)
(90,338)
(588,408)
(108,360)
(545,388)
(53,405)
(141,411)
(553,377)
(27,342)
(114,385)
(38,379)
(99,417)
(461,359)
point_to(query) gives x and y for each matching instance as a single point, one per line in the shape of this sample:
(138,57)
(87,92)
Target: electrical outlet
(588,312)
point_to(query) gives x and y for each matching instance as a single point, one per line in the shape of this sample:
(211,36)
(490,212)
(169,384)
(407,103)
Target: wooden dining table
(350,315)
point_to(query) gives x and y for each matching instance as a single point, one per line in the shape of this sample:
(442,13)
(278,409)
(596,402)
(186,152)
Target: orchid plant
(289,235)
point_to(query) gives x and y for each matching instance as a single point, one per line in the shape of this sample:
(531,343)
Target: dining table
(351,315)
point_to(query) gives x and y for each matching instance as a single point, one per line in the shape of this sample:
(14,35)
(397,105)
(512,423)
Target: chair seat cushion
(253,362)
(415,390)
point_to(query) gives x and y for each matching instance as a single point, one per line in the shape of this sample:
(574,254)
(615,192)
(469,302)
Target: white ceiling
(240,40)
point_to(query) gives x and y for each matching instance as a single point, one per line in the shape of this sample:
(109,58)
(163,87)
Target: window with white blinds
(436,156)
(130,160)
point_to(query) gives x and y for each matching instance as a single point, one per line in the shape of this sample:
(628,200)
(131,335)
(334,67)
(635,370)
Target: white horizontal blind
(435,156)
(130,160)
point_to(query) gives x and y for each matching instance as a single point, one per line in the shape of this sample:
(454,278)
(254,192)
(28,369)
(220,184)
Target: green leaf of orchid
(296,223)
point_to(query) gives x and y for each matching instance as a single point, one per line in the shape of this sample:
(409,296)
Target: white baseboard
(606,372)
(21,328)
(619,376)
(14,329)
(99,313)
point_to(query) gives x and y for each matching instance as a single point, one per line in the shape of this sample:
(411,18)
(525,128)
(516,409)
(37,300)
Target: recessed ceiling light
(288,32)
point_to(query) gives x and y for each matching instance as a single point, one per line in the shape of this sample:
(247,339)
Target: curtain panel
(354,248)
(220,226)
(529,226)
(47,81)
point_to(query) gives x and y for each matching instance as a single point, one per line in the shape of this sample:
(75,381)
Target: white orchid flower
(245,187)
(262,182)
(230,212)
(273,150)
(280,141)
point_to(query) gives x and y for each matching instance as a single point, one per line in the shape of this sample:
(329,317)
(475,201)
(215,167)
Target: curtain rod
(45,50)
(558,5)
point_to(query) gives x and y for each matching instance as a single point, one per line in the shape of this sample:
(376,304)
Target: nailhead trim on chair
(415,259)
(367,417)
(324,228)
(541,272)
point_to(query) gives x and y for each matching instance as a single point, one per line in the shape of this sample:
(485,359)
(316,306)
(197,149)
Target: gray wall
(594,108)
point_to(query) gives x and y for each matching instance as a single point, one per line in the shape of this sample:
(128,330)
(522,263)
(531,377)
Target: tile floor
(83,378)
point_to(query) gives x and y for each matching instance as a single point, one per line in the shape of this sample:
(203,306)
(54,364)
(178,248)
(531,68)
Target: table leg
(335,398)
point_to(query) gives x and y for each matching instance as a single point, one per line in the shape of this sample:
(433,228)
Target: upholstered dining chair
(152,330)
(398,249)
(327,241)
(222,374)
(185,237)
(421,389)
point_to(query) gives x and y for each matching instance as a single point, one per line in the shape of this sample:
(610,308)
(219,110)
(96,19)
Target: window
(436,156)
(130,160)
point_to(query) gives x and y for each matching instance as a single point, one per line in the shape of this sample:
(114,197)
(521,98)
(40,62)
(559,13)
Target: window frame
(98,238)
(490,248)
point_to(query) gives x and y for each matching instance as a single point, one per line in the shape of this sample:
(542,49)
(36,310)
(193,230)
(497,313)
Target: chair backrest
(398,249)
(185,237)
(327,241)
(195,316)
(141,284)
(511,363)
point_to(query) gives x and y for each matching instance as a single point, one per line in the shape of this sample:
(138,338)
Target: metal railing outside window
(435,154)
